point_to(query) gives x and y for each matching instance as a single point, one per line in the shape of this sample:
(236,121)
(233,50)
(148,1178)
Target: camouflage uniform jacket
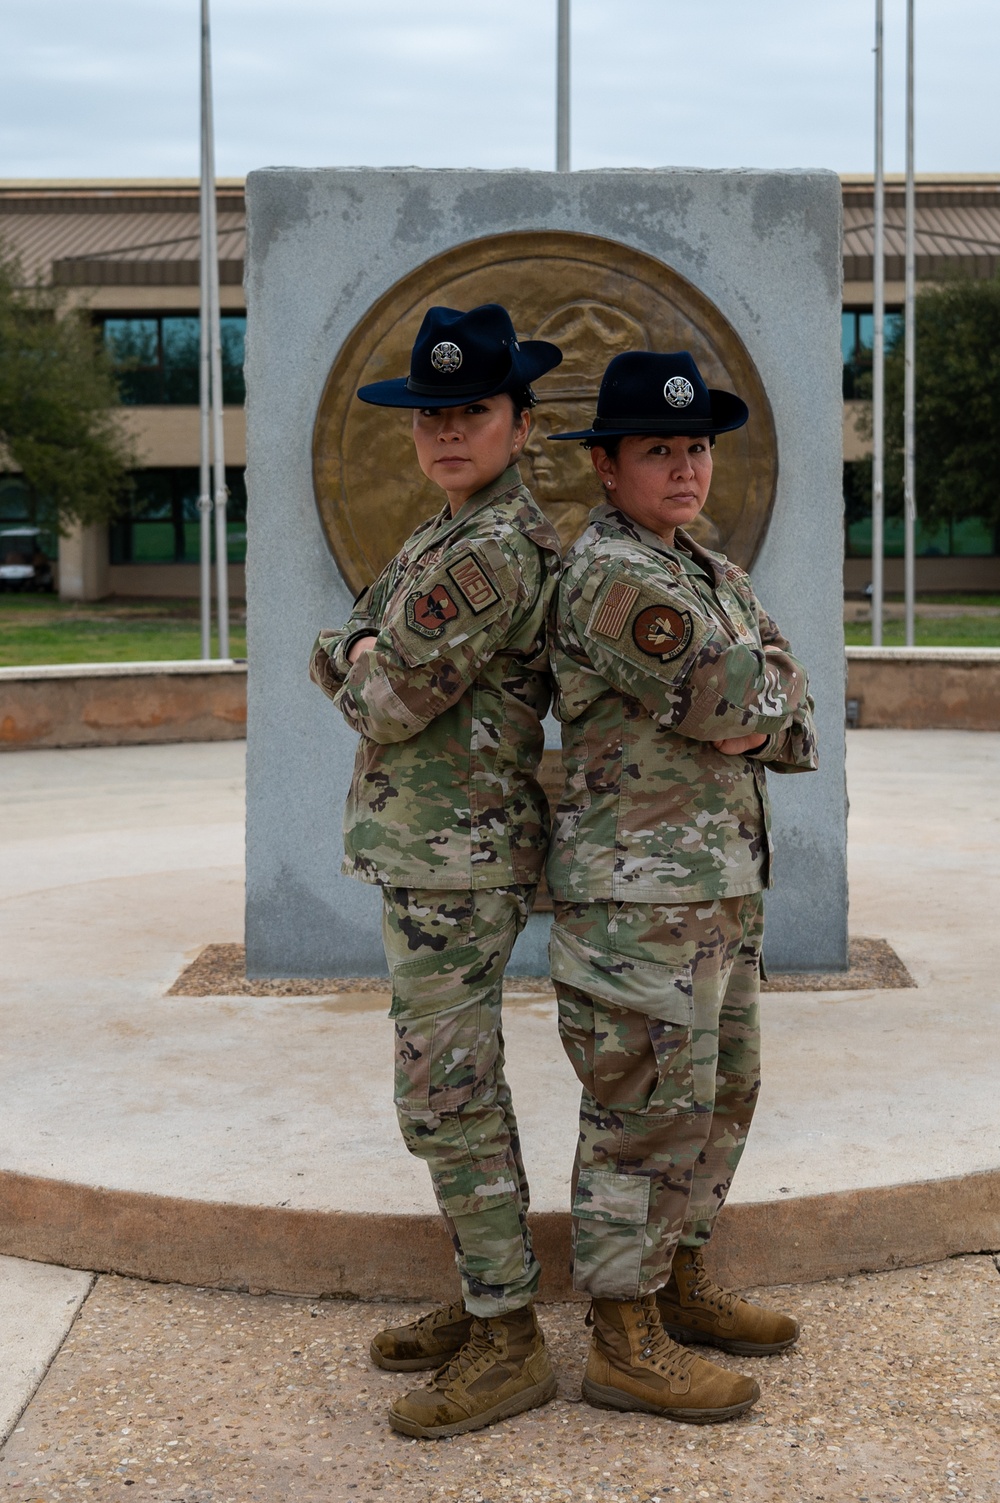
(658,652)
(449,702)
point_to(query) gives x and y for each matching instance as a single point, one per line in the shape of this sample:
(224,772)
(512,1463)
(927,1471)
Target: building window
(961,537)
(857,335)
(161,522)
(157,357)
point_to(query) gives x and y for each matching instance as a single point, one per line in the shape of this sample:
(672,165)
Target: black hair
(612,444)
(523,399)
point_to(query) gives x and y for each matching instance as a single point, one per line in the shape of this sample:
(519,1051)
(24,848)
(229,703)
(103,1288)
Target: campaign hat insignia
(463,357)
(678,391)
(446,356)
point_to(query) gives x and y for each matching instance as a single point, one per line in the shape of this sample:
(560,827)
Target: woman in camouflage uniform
(675,690)
(442,670)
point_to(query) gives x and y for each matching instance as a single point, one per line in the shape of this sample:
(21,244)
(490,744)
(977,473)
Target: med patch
(474,583)
(429,614)
(661,631)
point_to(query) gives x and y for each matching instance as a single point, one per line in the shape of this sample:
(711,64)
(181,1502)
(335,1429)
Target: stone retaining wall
(925,688)
(120,704)
(116,704)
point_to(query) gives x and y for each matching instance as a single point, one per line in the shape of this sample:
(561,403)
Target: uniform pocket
(446,1009)
(646,986)
(625,1025)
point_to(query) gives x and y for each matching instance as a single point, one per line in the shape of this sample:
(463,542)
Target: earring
(609,484)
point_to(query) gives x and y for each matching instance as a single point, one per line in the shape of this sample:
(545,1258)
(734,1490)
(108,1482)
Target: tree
(59,420)
(957,418)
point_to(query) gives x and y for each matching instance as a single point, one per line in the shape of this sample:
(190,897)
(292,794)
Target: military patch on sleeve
(662,632)
(612,614)
(475,584)
(429,614)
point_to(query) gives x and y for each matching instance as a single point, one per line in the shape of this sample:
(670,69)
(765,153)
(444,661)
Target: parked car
(24,564)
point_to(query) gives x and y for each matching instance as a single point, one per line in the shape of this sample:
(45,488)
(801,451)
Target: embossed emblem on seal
(678,391)
(447,357)
(661,632)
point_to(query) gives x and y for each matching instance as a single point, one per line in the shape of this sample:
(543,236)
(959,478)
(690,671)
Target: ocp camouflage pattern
(446,955)
(449,703)
(657,652)
(659,1015)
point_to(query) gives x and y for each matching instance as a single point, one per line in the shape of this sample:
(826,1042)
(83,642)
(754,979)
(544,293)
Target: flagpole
(909,356)
(878,344)
(562,85)
(215,347)
(204,389)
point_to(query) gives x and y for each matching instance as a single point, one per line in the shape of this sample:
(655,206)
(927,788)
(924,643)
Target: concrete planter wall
(925,688)
(121,704)
(117,704)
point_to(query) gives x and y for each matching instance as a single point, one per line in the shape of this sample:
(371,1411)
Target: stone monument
(742,268)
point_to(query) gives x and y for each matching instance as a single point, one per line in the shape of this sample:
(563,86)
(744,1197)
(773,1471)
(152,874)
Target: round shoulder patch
(662,632)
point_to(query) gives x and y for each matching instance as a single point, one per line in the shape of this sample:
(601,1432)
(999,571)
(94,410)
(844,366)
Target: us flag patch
(474,583)
(611,617)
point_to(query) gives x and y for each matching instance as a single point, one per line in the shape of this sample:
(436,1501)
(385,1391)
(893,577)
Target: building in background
(128,251)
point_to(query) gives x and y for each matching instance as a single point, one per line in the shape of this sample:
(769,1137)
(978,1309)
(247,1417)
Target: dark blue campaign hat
(463,357)
(643,392)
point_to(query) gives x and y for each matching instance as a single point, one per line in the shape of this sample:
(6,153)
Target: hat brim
(728,412)
(531,359)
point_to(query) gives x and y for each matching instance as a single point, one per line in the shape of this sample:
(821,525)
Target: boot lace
(660,1350)
(478,1351)
(444,1315)
(707,1292)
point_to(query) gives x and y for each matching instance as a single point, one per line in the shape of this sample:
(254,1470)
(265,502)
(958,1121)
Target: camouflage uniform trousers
(446,953)
(659,1015)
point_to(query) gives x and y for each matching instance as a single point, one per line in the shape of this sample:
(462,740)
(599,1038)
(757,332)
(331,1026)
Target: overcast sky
(109,88)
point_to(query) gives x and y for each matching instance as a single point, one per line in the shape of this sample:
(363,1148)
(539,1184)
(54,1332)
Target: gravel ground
(220,971)
(202,1396)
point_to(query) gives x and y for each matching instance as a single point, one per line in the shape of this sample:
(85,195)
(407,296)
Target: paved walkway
(201,1396)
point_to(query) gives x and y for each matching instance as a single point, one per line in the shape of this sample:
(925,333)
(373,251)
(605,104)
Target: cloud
(111,88)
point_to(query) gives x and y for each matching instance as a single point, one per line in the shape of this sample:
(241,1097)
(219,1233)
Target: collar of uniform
(446,523)
(510,478)
(688,558)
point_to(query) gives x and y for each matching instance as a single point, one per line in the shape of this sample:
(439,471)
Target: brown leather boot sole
(691,1336)
(517,1403)
(602,1397)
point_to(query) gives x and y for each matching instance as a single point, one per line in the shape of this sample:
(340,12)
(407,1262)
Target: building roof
(100,233)
(957,226)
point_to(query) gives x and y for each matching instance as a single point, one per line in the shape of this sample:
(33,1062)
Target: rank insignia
(662,632)
(474,583)
(429,614)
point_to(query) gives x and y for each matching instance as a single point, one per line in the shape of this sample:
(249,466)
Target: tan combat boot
(501,1370)
(633,1364)
(422,1343)
(694,1308)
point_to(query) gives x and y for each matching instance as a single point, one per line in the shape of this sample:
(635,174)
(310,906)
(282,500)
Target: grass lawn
(930,631)
(44,629)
